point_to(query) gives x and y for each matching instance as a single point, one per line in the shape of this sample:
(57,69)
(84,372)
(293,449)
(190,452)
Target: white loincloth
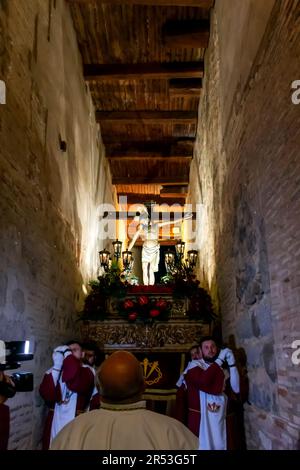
(150,254)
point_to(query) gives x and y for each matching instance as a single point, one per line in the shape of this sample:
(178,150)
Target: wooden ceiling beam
(154,70)
(137,198)
(185,87)
(150,152)
(149,156)
(169,144)
(188,33)
(161,147)
(206,4)
(174,192)
(147,117)
(157,179)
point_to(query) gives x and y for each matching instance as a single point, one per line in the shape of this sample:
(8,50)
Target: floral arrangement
(108,285)
(113,285)
(144,309)
(185,284)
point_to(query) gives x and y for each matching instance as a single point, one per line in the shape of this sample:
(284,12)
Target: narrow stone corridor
(79,129)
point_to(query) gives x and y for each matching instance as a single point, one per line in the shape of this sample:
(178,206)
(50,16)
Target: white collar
(124,406)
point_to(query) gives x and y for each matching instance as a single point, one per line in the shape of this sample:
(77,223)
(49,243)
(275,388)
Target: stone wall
(53,175)
(246,172)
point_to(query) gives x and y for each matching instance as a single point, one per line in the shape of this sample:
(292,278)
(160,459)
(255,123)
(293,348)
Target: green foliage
(184,284)
(113,284)
(109,285)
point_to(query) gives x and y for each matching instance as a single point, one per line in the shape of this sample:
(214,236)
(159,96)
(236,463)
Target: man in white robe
(207,406)
(123,423)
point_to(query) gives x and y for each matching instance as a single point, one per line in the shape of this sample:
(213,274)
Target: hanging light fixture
(192,256)
(180,249)
(117,245)
(127,259)
(104,258)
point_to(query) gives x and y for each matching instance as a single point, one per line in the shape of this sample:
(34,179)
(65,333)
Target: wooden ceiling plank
(185,87)
(188,33)
(205,4)
(156,157)
(168,142)
(157,179)
(147,117)
(174,191)
(137,198)
(173,196)
(154,70)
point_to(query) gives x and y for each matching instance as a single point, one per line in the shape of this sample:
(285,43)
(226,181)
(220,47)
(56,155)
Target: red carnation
(154,312)
(162,304)
(128,304)
(132,316)
(143,300)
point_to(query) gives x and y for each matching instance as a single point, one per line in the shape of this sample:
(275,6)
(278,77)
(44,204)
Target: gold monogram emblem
(213,407)
(152,373)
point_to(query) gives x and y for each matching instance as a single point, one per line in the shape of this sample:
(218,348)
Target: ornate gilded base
(171,336)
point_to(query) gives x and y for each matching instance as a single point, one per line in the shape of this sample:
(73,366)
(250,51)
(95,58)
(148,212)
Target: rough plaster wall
(246,171)
(49,198)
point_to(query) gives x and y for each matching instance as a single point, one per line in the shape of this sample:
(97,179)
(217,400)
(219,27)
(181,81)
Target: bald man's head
(120,378)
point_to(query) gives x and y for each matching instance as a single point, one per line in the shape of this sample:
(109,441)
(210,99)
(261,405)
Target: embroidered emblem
(152,372)
(213,407)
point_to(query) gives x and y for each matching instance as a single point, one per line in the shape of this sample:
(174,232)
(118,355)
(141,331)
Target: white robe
(124,427)
(212,431)
(64,411)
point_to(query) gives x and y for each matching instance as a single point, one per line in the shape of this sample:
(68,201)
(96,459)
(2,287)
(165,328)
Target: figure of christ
(149,232)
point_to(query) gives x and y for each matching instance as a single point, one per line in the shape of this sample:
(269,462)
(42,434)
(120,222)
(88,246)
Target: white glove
(58,358)
(59,354)
(230,359)
(221,357)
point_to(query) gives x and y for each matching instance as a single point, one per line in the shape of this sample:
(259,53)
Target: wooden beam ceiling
(147,117)
(191,33)
(185,87)
(137,198)
(156,179)
(172,3)
(145,67)
(152,145)
(150,151)
(174,192)
(154,70)
(149,156)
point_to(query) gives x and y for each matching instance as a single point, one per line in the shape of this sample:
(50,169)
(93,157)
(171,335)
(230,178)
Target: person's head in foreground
(120,378)
(123,423)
